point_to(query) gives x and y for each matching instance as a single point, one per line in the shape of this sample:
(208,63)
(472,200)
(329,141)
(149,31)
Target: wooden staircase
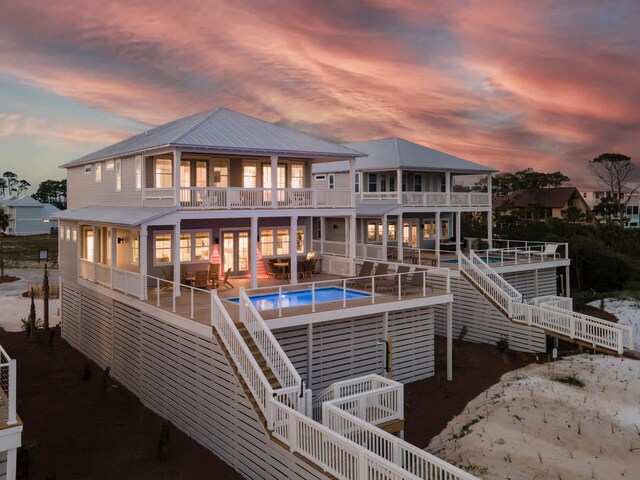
(255,351)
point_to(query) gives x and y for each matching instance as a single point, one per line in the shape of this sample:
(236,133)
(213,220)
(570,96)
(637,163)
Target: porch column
(385,236)
(447,181)
(399,185)
(310,355)
(400,237)
(176,260)
(12,463)
(143,176)
(293,235)
(114,240)
(458,232)
(450,341)
(323,224)
(352,244)
(176,175)
(96,247)
(274,181)
(253,257)
(142,242)
(352,181)
(567,281)
(438,236)
(490,228)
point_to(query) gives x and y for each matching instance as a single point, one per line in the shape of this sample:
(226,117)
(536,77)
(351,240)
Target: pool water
(487,260)
(299,298)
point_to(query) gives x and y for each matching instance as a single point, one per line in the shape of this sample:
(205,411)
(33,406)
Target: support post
(293,236)
(438,236)
(490,228)
(114,250)
(176,175)
(274,181)
(400,237)
(352,181)
(310,355)
(567,281)
(96,247)
(253,257)
(385,236)
(447,181)
(12,464)
(399,185)
(458,230)
(142,242)
(13,378)
(352,244)
(450,341)
(176,259)
(323,235)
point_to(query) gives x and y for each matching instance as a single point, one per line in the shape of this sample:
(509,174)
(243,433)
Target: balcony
(220,198)
(428,199)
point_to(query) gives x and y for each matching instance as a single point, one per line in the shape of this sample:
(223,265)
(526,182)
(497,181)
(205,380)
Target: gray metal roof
(23,202)
(375,209)
(120,215)
(226,131)
(391,153)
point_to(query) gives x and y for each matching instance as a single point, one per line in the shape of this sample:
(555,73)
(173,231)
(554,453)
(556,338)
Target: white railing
(429,199)
(370,251)
(238,197)
(565,303)
(126,282)
(159,196)
(271,350)
(331,247)
(103,274)
(8,377)
(336,265)
(488,285)
(496,278)
(85,268)
(368,197)
(378,406)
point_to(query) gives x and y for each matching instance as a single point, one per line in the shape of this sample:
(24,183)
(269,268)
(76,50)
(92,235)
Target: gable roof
(391,153)
(23,202)
(225,131)
(49,210)
(547,197)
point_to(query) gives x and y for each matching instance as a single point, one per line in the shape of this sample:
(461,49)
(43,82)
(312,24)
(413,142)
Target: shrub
(503,344)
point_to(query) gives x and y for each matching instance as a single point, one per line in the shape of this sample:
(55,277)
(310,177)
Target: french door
(235,251)
(410,233)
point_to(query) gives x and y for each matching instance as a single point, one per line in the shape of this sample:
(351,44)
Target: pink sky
(547,85)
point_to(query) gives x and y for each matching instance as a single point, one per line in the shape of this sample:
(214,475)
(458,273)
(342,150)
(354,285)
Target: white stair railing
(271,350)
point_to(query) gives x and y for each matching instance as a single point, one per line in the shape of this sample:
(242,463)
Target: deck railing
(8,377)
(377,406)
(111,277)
(237,197)
(429,199)
(271,350)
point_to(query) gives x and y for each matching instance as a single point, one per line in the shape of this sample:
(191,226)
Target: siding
(484,321)
(525,282)
(182,376)
(348,348)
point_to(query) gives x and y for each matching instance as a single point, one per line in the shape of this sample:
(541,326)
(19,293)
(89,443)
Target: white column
(385,236)
(458,232)
(399,185)
(438,236)
(274,181)
(253,257)
(352,180)
(567,282)
(96,247)
(143,177)
(114,243)
(310,355)
(176,260)
(447,180)
(490,228)
(12,457)
(323,236)
(142,241)
(176,175)
(450,341)
(352,244)
(293,266)
(385,336)
(400,237)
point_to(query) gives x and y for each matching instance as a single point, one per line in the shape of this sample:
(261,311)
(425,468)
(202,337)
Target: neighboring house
(400,183)
(632,215)
(283,368)
(27,216)
(546,203)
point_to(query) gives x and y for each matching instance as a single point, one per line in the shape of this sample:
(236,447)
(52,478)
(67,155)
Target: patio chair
(416,282)
(214,274)
(365,271)
(308,268)
(550,250)
(272,271)
(381,269)
(390,282)
(200,279)
(225,281)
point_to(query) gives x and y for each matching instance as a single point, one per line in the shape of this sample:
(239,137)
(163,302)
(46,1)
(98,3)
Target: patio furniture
(225,281)
(284,266)
(200,279)
(272,271)
(416,283)
(168,283)
(550,250)
(365,271)
(214,274)
(390,282)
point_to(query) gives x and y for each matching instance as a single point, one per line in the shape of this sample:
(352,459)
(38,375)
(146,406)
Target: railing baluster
(344,294)
(192,290)
(158,292)
(280,301)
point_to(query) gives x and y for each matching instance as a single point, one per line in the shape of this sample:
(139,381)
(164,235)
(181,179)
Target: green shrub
(503,344)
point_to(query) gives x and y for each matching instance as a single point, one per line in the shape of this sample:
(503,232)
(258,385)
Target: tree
(53,192)
(573,214)
(527,180)
(11,185)
(614,169)
(4,220)
(45,296)
(32,322)
(608,209)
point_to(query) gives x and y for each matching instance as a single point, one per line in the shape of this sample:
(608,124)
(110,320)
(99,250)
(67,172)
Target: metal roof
(226,131)
(120,215)
(391,153)
(375,209)
(23,202)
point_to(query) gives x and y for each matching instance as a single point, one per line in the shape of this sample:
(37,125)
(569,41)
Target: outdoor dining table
(283,266)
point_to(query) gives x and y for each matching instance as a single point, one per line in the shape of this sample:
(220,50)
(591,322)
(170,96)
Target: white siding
(525,282)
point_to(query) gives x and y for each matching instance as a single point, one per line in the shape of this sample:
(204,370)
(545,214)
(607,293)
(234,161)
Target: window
(201,173)
(118,175)
(201,246)
(392,232)
(383,183)
(88,244)
(185,180)
(443,183)
(417,183)
(88,169)
(138,172)
(185,247)
(135,249)
(429,228)
(371,232)
(282,247)
(300,240)
(61,233)
(332,181)
(74,234)
(109,165)
(281,237)
(67,234)
(392,183)
(98,169)
(249,174)
(266,242)
(162,251)
(220,174)
(373,182)
(357,183)
(297,176)
(164,172)
(445,229)
(404,182)
(321,177)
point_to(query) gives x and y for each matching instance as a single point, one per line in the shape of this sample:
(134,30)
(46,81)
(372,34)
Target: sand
(530,426)
(627,311)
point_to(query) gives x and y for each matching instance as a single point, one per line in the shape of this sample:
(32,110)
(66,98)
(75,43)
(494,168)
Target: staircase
(260,360)
(553,314)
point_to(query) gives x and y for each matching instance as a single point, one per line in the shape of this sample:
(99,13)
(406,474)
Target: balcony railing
(429,199)
(206,198)
(7,389)
(114,278)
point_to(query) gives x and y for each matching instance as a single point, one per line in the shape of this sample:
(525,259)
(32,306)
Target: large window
(98,170)
(201,173)
(185,247)
(357,183)
(118,175)
(249,175)
(297,176)
(164,173)
(138,162)
(202,245)
(373,182)
(445,229)
(135,249)
(162,251)
(332,181)
(88,249)
(282,241)
(404,182)
(429,230)
(266,243)
(392,232)
(220,174)
(417,183)
(185,180)
(275,241)
(371,232)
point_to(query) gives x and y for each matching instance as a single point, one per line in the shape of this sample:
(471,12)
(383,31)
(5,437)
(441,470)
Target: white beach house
(240,296)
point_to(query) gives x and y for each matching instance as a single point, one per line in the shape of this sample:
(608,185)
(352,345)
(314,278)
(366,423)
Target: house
(10,423)
(224,284)
(27,216)
(546,203)
(632,215)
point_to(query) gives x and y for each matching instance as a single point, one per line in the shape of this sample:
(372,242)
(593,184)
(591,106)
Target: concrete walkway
(14,307)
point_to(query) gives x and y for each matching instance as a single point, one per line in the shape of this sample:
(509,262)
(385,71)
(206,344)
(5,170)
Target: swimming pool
(485,259)
(297,298)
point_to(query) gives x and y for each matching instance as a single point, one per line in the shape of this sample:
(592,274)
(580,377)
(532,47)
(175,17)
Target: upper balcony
(427,199)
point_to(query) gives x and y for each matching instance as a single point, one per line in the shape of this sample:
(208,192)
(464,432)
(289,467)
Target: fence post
(572,327)
(280,301)
(313,297)
(157,292)
(192,289)
(12,393)
(293,433)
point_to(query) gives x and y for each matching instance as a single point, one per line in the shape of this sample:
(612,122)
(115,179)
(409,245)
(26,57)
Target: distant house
(27,216)
(546,203)
(632,214)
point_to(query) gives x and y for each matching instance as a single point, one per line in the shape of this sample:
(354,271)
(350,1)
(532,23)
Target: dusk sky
(544,84)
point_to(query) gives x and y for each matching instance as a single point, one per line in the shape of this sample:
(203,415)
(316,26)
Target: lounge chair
(381,269)
(416,282)
(365,271)
(214,274)
(550,250)
(200,279)
(391,281)
(225,281)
